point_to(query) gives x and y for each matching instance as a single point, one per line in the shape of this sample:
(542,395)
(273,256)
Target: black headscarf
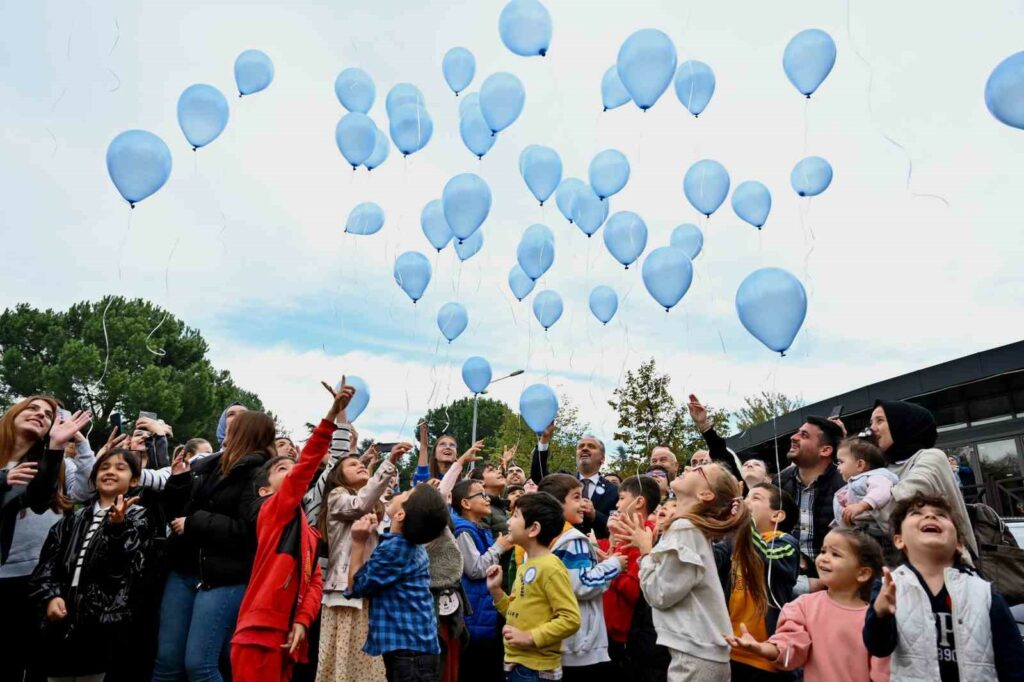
(911,427)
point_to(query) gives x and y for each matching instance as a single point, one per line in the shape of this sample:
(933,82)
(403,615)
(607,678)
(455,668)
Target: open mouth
(931,527)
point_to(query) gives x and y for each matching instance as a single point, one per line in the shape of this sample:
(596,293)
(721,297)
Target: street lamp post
(476,396)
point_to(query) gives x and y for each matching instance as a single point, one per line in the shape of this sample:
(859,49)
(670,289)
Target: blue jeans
(521,673)
(195,628)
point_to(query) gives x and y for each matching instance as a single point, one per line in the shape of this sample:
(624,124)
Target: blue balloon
(411,128)
(603,303)
(808,59)
(519,282)
(466,201)
(470,101)
(772,304)
(625,235)
(356,136)
(360,399)
(538,406)
(567,194)
(366,218)
(525,28)
(452,320)
(541,168)
(355,90)
(689,238)
(1004,91)
(469,246)
(695,84)
(667,274)
(476,373)
(536,251)
(706,185)
(646,65)
(609,173)
(589,211)
(139,164)
(475,133)
(403,93)
(547,308)
(412,272)
(381,149)
(202,114)
(752,202)
(253,72)
(811,176)
(435,227)
(459,67)
(613,92)
(501,100)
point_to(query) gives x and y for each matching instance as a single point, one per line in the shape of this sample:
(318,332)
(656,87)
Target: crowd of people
(260,560)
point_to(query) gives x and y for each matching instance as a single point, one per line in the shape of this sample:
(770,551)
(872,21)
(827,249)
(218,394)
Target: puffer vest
(483,621)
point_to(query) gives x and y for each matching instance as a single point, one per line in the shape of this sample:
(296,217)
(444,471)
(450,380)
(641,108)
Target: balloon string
(106,341)
(807,105)
(124,241)
(160,352)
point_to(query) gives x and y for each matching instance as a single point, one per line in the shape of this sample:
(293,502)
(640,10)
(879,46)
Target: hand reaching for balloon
(471,454)
(549,432)
(698,413)
(508,457)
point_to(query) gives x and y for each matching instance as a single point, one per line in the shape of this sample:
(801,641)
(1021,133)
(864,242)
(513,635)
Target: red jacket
(286,584)
(621,595)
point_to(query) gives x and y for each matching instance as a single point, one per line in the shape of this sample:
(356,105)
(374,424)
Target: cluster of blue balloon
(538,404)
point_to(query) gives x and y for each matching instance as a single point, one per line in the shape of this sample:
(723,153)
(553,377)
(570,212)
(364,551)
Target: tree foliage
(456,419)
(562,449)
(763,407)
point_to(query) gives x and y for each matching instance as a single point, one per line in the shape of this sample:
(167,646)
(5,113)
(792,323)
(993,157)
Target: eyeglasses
(475,495)
(657,474)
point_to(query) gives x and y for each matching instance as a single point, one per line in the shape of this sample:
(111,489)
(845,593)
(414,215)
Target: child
(541,611)
(471,504)
(818,630)
(868,483)
(89,572)
(396,577)
(513,493)
(678,576)
(493,480)
(974,635)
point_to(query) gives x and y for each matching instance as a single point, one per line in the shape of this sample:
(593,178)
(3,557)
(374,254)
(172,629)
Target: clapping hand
(631,530)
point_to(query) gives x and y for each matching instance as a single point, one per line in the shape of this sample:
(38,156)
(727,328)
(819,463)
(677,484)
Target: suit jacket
(605,496)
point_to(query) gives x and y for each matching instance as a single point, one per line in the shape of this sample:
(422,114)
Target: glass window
(951,416)
(998,459)
(990,409)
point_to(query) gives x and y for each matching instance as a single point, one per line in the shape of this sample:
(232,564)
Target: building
(977,400)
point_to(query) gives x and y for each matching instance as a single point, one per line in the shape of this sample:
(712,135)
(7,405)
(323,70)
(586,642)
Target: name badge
(600,490)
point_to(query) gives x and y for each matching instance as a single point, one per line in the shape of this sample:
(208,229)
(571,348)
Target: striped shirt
(340,447)
(97,518)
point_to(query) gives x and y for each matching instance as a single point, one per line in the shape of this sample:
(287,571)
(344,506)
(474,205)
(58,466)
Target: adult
(700,457)
(211,503)
(662,455)
(717,450)
(599,494)
(515,475)
(224,423)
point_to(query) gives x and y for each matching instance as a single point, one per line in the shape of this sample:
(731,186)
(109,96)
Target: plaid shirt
(805,526)
(396,578)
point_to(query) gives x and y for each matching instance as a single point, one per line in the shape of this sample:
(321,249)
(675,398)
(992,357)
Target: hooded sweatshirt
(222,423)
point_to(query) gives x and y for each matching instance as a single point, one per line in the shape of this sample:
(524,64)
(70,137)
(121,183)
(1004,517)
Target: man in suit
(599,494)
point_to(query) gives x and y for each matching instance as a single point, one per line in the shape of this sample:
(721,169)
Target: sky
(911,257)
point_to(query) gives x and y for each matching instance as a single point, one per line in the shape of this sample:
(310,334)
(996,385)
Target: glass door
(1001,474)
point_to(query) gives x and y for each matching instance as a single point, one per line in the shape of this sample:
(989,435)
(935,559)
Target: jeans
(195,626)
(521,673)
(412,666)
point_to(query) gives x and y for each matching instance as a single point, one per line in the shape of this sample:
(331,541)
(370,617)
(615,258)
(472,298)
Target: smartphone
(117,421)
(147,415)
(385,448)
(64,414)
(836,411)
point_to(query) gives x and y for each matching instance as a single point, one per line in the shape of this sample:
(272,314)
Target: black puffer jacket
(112,572)
(219,543)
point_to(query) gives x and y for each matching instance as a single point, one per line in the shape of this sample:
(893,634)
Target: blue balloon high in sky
(202,114)
(435,227)
(695,84)
(771,304)
(589,211)
(412,273)
(466,201)
(646,65)
(536,251)
(476,373)
(253,72)
(1004,91)
(459,67)
(667,274)
(706,185)
(538,405)
(356,136)
(689,238)
(808,59)
(139,164)
(411,128)
(519,282)
(603,303)
(613,92)
(452,320)
(355,90)
(547,308)
(501,100)
(470,246)
(403,93)
(811,176)
(473,129)
(366,218)
(566,195)
(359,401)
(381,149)
(609,172)
(625,235)
(752,202)
(541,168)
(525,28)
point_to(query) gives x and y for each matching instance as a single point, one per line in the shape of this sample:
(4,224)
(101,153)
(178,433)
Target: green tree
(763,407)
(116,356)
(562,449)
(456,419)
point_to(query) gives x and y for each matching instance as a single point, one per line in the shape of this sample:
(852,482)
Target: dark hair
(435,470)
(831,434)
(426,515)
(864,449)
(645,487)
(869,554)
(130,458)
(251,431)
(263,475)
(558,486)
(515,487)
(461,492)
(542,507)
(903,507)
(780,500)
(335,479)
(476,474)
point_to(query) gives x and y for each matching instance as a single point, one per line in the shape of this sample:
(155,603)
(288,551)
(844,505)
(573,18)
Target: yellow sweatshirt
(541,603)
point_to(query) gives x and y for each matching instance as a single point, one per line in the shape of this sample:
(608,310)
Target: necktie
(587,484)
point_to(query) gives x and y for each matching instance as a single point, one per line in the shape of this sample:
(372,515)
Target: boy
(513,493)
(541,610)
(931,587)
(396,577)
(585,654)
(493,481)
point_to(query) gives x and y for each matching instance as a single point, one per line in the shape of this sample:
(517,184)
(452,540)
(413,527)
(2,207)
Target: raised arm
(539,457)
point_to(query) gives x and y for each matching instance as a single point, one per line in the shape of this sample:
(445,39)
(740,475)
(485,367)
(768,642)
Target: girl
(868,486)
(679,577)
(445,454)
(821,631)
(88,574)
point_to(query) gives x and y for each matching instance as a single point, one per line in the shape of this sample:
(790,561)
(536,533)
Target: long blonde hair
(8,435)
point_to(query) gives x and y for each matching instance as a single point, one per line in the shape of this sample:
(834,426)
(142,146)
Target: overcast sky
(245,241)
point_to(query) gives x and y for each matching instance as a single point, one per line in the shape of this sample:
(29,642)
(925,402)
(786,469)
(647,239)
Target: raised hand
(507,457)
(341,400)
(548,433)
(64,430)
(505,541)
(119,509)
(180,465)
(470,455)
(114,440)
(885,602)
(698,413)
(398,452)
(839,422)
(22,474)
(494,578)
(295,638)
